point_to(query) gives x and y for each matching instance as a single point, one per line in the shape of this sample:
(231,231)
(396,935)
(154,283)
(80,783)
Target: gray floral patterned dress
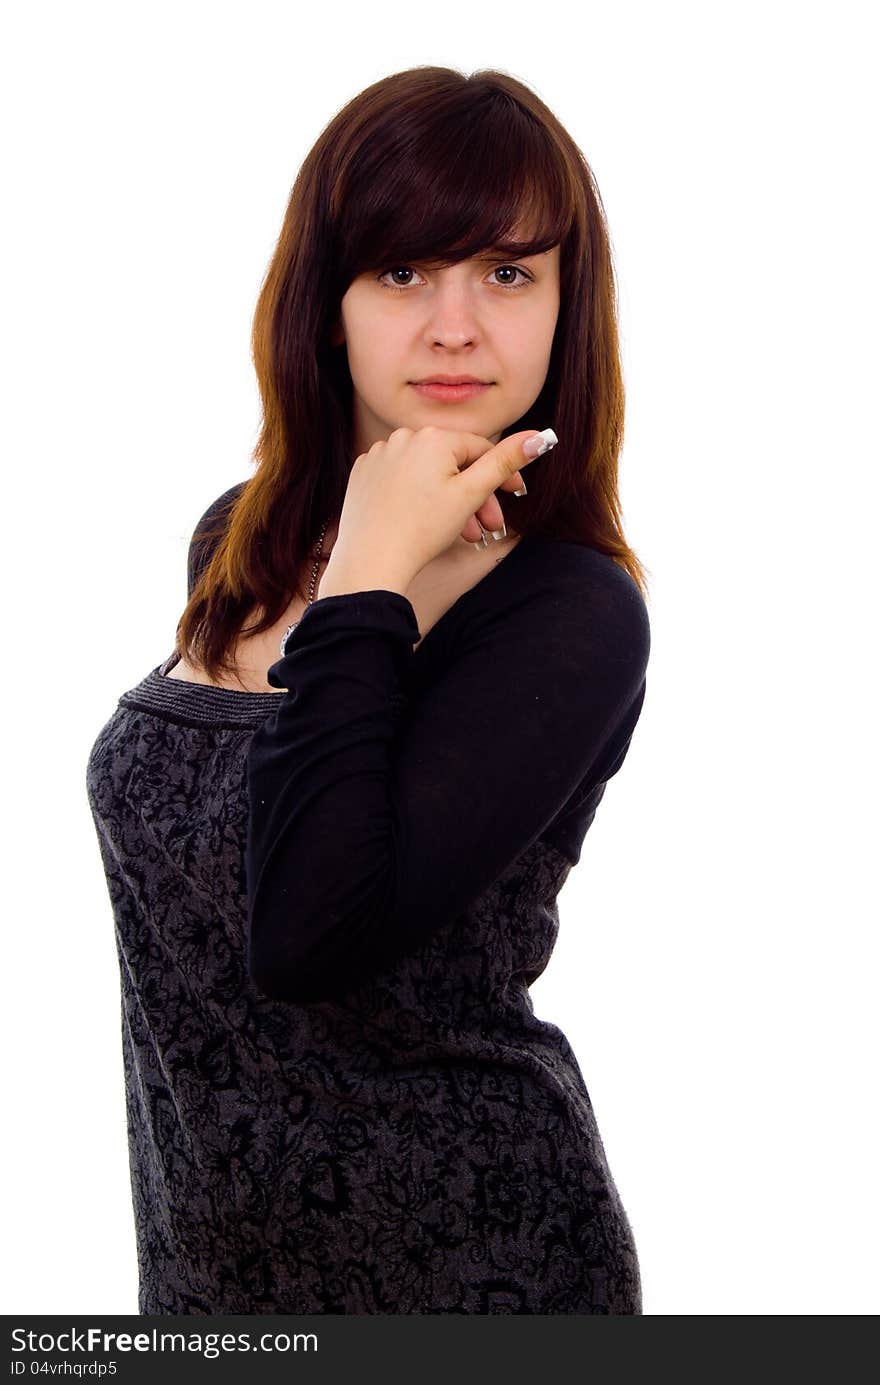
(329,903)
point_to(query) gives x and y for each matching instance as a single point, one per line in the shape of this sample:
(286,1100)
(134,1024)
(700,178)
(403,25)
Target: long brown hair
(427,166)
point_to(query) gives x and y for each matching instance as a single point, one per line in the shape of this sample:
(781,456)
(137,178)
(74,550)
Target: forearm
(323,841)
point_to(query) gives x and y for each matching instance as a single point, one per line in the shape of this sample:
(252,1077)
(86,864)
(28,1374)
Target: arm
(363,840)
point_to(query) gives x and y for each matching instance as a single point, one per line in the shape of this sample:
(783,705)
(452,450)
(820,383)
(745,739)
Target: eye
(408,269)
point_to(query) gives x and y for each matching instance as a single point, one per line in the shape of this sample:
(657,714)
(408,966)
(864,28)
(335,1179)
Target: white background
(716,967)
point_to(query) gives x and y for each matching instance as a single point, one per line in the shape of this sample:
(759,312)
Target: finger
(484,470)
(488,518)
(490,514)
(514,484)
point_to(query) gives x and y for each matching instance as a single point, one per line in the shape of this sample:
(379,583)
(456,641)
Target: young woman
(335,822)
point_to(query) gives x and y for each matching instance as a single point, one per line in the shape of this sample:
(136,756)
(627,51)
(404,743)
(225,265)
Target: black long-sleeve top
(364,837)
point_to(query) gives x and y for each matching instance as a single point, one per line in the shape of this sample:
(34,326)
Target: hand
(410,497)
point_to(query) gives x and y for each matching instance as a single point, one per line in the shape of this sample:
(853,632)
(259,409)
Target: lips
(451,380)
(449,394)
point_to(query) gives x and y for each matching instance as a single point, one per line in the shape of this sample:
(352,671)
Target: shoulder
(561,630)
(571,591)
(571,562)
(207,532)
(219,508)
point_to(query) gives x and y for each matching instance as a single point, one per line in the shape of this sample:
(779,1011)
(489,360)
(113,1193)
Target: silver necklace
(290,629)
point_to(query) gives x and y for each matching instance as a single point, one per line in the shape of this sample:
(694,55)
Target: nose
(452,318)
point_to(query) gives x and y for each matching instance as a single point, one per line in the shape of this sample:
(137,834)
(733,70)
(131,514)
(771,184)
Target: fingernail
(500,533)
(523,491)
(540,443)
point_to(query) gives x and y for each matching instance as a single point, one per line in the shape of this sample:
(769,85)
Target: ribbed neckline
(200,704)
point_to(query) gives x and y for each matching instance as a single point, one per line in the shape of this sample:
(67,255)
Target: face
(486,317)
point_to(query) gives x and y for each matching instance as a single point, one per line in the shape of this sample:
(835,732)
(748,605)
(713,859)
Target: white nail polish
(539,444)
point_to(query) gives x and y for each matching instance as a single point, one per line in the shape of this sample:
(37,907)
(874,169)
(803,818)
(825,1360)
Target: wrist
(345,576)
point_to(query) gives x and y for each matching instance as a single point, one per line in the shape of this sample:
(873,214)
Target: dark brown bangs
(420,192)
